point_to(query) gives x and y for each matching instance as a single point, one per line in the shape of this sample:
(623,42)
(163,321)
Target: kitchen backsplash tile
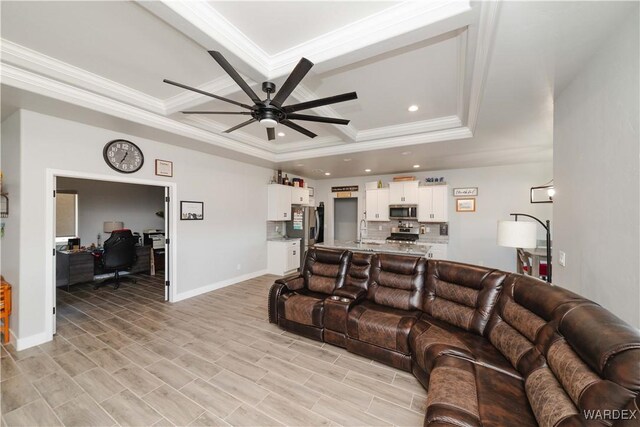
(271,229)
(382,230)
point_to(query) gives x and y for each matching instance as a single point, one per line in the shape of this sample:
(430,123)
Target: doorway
(150,209)
(345,219)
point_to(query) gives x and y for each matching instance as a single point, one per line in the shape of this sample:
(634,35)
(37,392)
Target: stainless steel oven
(403,212)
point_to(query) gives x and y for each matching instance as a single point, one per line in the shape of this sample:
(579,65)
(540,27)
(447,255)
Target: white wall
(100,201)
(472,236)
(228,245)
(10,257)
(597,178)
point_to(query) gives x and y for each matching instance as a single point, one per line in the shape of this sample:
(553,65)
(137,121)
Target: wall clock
(123,156)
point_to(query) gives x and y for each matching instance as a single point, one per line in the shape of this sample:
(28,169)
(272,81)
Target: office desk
(78,267)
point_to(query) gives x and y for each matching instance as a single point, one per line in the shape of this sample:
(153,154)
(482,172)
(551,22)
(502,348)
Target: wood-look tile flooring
(126,358)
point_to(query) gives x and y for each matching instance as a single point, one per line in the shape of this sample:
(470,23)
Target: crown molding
(400,141)
(31,82)
(431,125)
(389,24)
(23,57)
(488,24)
(401,22)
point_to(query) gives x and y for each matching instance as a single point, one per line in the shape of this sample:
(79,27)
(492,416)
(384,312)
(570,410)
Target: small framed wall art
(164,168)
(190,211)
(465,192)
(466,205)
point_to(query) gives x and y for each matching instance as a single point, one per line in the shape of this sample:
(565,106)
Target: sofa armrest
(293,282)
(352,292)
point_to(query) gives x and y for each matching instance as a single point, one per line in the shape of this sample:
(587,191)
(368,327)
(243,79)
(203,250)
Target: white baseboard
(31,341)
(212,287)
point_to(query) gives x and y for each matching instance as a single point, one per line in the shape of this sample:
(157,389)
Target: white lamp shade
(109,226)
(517,234)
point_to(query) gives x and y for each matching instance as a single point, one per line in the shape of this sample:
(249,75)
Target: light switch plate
(562,258)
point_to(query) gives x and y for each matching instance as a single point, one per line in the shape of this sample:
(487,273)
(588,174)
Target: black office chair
(119,254)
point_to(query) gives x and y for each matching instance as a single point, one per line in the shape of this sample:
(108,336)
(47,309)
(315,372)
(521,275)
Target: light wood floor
(126,358)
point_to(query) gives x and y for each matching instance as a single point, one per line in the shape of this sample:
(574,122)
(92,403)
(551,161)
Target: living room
(491,99)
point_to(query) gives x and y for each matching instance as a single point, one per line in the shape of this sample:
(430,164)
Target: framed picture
(466,205)
(164,168)
(190,211)
(465,192)
(312,192)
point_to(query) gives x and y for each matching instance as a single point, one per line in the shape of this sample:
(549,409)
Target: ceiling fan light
(268,123)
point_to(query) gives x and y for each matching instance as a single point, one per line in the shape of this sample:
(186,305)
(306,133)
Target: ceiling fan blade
(206,93)
(294,79)
(333,120)
(234,75)
(320,102)
(239,126)
(271,134)
(246,113)
(298,128)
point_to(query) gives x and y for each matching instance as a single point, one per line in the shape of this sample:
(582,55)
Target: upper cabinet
(377,204)
(432,203)
(299,196)
(403,193)
(279,202)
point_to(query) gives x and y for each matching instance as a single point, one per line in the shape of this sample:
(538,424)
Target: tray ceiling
(480,81)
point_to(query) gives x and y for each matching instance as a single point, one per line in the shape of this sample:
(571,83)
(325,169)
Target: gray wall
(472,236)
(596,171)
(100,201)
(229,245)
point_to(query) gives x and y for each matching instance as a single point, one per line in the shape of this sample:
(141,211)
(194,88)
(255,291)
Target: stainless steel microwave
(403,212)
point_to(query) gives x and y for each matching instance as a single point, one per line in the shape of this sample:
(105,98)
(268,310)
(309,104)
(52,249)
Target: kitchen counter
(368,246)
(283,239)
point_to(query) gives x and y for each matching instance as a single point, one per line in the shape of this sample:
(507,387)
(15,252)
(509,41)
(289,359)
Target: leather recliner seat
(491,348)
(298,304)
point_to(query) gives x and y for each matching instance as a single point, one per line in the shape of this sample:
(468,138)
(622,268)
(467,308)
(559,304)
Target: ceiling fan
(270,112)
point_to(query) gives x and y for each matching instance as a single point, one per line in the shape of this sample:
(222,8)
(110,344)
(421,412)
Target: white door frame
(50,232)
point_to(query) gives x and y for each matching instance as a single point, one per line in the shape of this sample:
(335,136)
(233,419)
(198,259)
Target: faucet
(363,228)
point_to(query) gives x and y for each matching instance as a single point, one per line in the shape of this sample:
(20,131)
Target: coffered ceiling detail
(433,54)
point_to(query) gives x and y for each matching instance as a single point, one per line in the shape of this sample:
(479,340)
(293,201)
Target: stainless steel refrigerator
(307,225)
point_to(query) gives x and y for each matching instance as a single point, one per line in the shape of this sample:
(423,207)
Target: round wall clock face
(123,156)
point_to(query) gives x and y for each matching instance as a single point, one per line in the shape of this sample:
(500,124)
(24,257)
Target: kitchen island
(417,249)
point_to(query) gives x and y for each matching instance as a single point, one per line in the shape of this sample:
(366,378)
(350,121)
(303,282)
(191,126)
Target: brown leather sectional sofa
(491,348)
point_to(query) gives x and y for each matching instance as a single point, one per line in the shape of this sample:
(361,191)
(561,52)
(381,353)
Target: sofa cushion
(462,393)
(385,327)
(303,308)
(397,281)
(461,294)
(359,271)
(431,338)
(325,270)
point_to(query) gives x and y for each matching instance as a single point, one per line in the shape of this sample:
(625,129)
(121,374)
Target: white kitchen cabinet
(283,256)
(432,203)
(377,204)
(437,251)
(403,193)
(279,202)
(299,196)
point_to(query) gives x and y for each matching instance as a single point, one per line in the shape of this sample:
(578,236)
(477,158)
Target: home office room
(108,235)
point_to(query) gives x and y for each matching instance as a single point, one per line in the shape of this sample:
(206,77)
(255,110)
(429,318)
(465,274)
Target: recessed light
(280,133)
(406,153)
(300,164)
(416,166)
(413,108)
(347,160)
(327,173)
(367,170)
